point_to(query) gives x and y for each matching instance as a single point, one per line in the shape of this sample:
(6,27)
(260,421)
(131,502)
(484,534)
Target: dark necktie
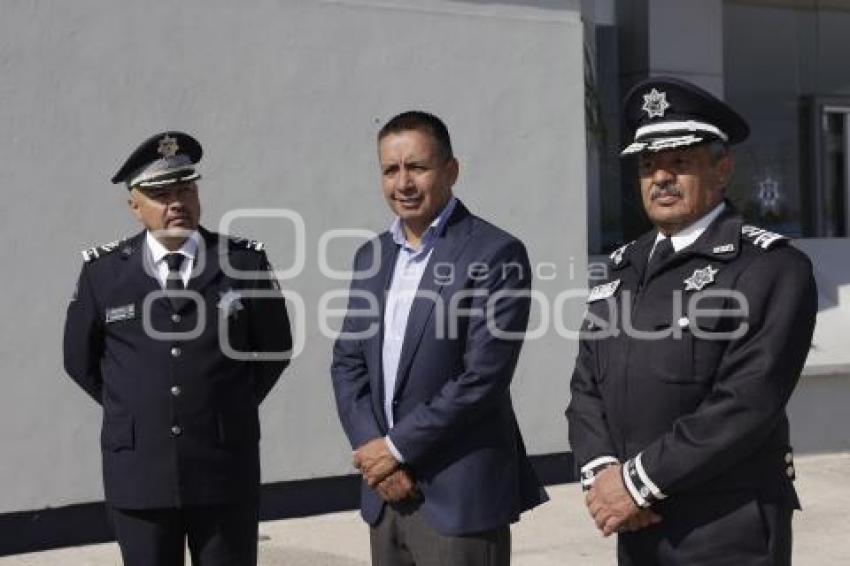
(663,251)
(174,282)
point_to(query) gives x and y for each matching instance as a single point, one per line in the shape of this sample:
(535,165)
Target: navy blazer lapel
(378,286)
(446,250)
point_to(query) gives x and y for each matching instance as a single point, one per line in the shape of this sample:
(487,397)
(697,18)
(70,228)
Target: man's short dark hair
(424,122)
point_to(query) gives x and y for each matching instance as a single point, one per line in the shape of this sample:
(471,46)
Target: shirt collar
(435,229)
(158,251)
(689,235)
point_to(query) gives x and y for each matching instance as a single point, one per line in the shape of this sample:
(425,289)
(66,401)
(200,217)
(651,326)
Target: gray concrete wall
(818,409)
(286,96)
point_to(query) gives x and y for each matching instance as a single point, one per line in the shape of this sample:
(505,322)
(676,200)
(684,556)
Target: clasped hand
(611,506)
(382,472)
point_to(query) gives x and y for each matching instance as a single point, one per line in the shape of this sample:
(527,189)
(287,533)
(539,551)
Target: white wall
(286,96)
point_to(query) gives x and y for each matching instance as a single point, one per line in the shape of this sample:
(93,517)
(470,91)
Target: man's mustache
(659,191)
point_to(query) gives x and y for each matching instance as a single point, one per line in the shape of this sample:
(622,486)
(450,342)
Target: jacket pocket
(708,344)
(677,353)
(118,433)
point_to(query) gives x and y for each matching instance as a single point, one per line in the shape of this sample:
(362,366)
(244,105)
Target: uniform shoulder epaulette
(97,252)
(761,238)
(247,243)
(617,255)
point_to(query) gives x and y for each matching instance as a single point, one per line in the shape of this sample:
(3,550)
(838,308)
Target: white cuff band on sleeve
(590,470)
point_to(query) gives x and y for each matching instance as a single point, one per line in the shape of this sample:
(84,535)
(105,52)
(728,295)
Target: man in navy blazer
(422,368)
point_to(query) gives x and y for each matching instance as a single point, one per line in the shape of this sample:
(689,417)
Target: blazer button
(176,430)
(175,352)
(176,390)
(789,471)
(789,458)
(176,317)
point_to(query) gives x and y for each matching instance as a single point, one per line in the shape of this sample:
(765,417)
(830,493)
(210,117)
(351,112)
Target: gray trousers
(403,537)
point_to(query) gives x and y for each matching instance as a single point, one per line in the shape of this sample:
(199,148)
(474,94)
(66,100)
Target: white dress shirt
(689,235)
(155,258)
(409,268)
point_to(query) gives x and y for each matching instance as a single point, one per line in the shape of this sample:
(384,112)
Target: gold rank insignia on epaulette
(96,252)
(247,243)
(760,237)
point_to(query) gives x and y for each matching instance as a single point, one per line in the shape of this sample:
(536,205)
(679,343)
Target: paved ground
(557,533)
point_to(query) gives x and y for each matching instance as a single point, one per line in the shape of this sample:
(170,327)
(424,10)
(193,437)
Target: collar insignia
(168,146)
(700,278)
(617,255)
(230,303)
(655,103)
(724,249)
(603,291)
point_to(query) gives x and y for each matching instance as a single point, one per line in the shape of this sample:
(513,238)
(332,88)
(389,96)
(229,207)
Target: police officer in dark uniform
(179,333)
(689,353)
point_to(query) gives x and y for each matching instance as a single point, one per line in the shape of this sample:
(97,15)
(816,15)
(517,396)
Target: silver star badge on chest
(700,278)
(230,303)
(655,103)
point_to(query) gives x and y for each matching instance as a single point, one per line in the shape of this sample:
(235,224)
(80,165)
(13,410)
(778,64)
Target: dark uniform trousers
(218,535)
(683,375)
(181,430)
(403,537)
(723,529)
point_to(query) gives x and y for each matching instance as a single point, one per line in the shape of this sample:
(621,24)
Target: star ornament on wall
(701,278)
(768,195)
(655,103)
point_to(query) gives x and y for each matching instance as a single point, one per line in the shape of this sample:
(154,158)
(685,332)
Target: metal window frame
(815,107)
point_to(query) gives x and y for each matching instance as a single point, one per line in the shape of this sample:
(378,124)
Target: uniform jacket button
(175,351)
(176,390)
(790,471)
(176,430)
(175,317)
(789,457)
